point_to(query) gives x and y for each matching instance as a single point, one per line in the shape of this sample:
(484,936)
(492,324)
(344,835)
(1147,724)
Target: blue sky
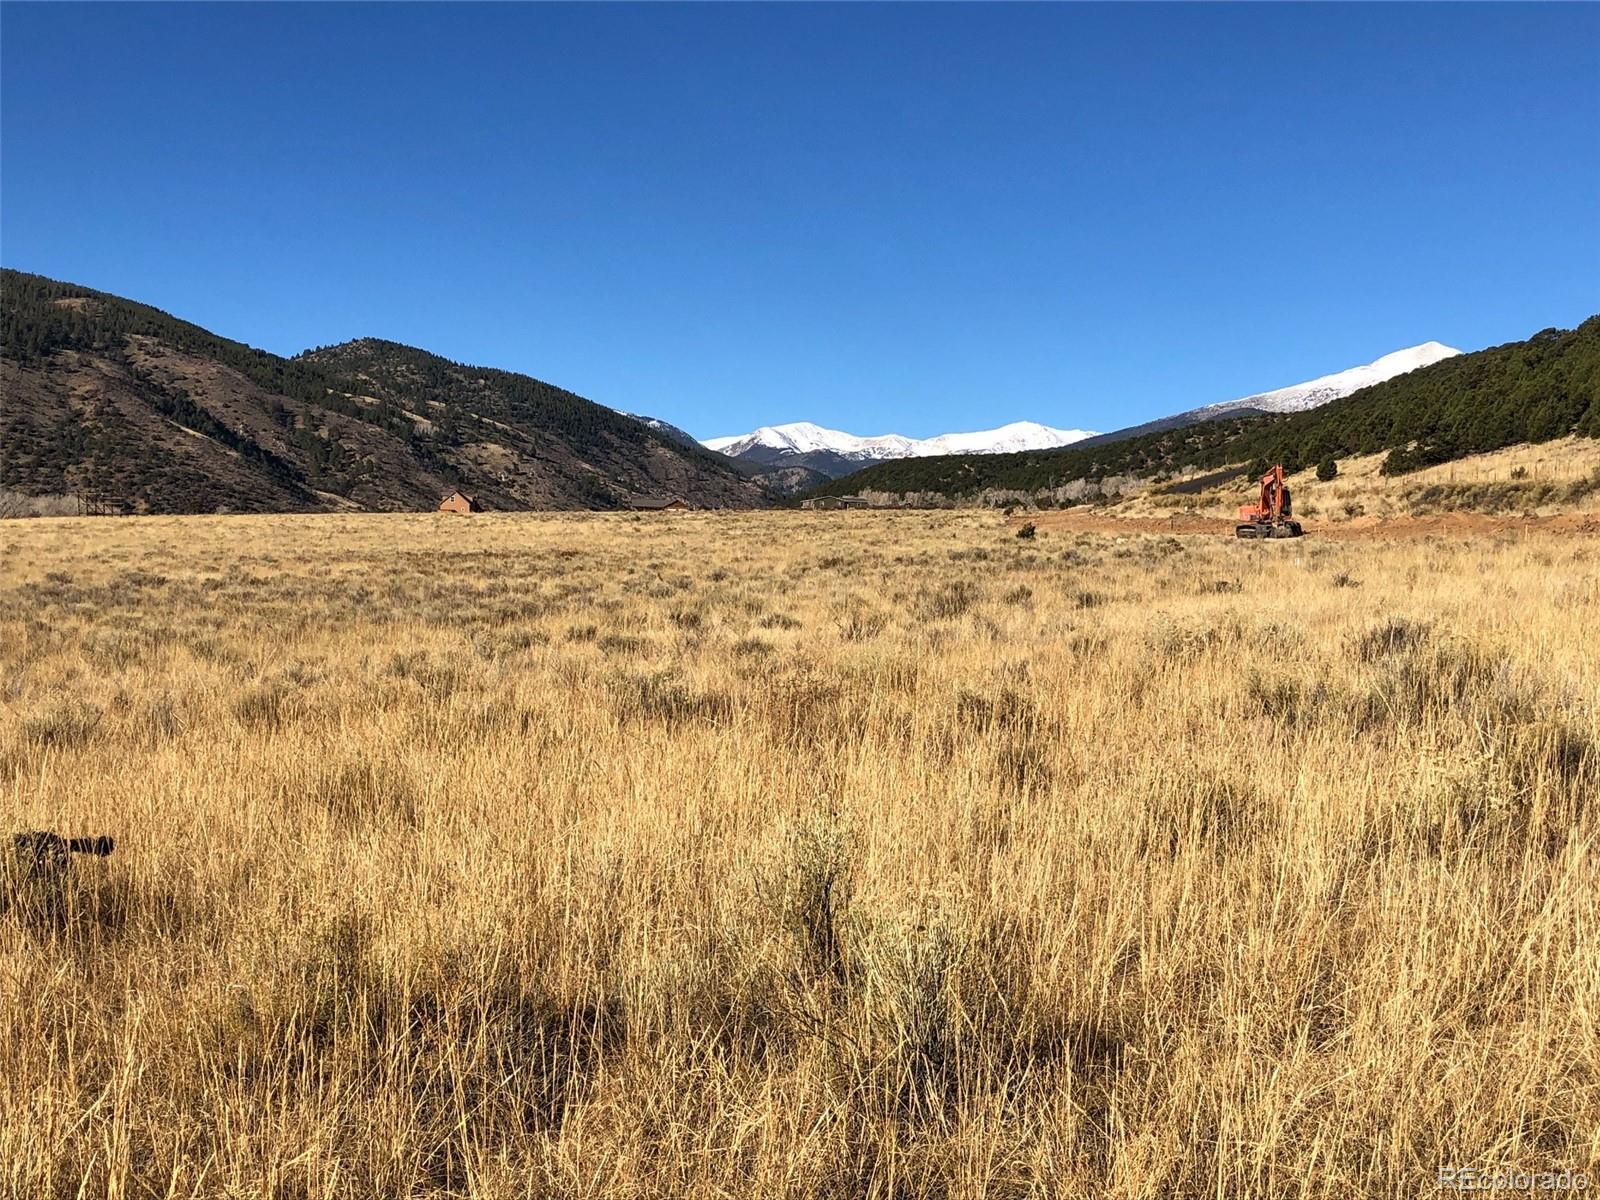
(904,218)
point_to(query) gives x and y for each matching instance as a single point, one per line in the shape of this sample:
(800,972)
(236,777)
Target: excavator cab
(1270,516)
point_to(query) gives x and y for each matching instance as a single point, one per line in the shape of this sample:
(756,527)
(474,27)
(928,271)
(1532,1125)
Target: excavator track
(1262,529)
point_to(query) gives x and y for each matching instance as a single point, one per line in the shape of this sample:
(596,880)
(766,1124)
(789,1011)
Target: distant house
(460,502)
(659,504)
(836,502)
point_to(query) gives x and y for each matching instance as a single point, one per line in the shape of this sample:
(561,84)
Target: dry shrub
(860,625)
(1424,680)
(1291,702)
(266,706)
(965,1022)
(158,721)
(691,619)
(65,727)
(1171,638)
(946,603)
(1218,817)
(438,678)
(623,645)
(1008,724)
(814,885)
(664,697)
(1393,636)
(365,790)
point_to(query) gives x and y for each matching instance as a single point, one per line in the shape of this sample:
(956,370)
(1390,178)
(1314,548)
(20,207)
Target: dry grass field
(794,855)
(1532,479)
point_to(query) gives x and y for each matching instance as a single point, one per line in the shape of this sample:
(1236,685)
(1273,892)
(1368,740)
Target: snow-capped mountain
(802,437)
(1299,396)
(1316,392)
(835,453)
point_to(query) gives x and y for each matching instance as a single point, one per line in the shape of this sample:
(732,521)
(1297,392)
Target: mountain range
(1543,387)
(148,413)
(831,453)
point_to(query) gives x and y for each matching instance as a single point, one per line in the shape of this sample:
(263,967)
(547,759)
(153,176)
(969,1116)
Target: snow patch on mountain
(665,428)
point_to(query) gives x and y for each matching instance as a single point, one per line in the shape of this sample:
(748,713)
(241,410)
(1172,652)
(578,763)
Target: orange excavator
(1269,516)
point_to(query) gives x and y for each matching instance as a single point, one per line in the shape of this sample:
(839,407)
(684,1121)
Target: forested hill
(1545,387)
(115,398)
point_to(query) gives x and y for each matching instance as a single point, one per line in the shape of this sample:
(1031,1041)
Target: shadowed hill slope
(155,414)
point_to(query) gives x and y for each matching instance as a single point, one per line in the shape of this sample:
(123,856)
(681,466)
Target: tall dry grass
(773,855)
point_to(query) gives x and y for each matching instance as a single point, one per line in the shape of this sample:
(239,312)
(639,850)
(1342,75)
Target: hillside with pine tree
(1536,390)
(115,399)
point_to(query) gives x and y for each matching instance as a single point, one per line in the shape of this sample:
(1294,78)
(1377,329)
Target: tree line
(1545,387)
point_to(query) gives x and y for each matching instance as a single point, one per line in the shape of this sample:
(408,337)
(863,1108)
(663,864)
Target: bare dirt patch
(1455,525)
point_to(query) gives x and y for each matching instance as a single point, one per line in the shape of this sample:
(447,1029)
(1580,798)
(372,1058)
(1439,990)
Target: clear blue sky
(879,218)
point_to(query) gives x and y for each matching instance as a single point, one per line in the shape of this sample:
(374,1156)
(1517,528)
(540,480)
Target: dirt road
(1452,525)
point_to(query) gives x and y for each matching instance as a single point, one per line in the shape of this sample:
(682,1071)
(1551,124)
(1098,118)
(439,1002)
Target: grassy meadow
(794,855)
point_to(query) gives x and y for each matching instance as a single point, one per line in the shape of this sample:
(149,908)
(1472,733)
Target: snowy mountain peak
(1315,392)
(803,437)
(1409,359)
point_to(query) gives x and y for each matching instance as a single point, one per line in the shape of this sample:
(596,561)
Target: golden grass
(821,855)
(1542,479)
